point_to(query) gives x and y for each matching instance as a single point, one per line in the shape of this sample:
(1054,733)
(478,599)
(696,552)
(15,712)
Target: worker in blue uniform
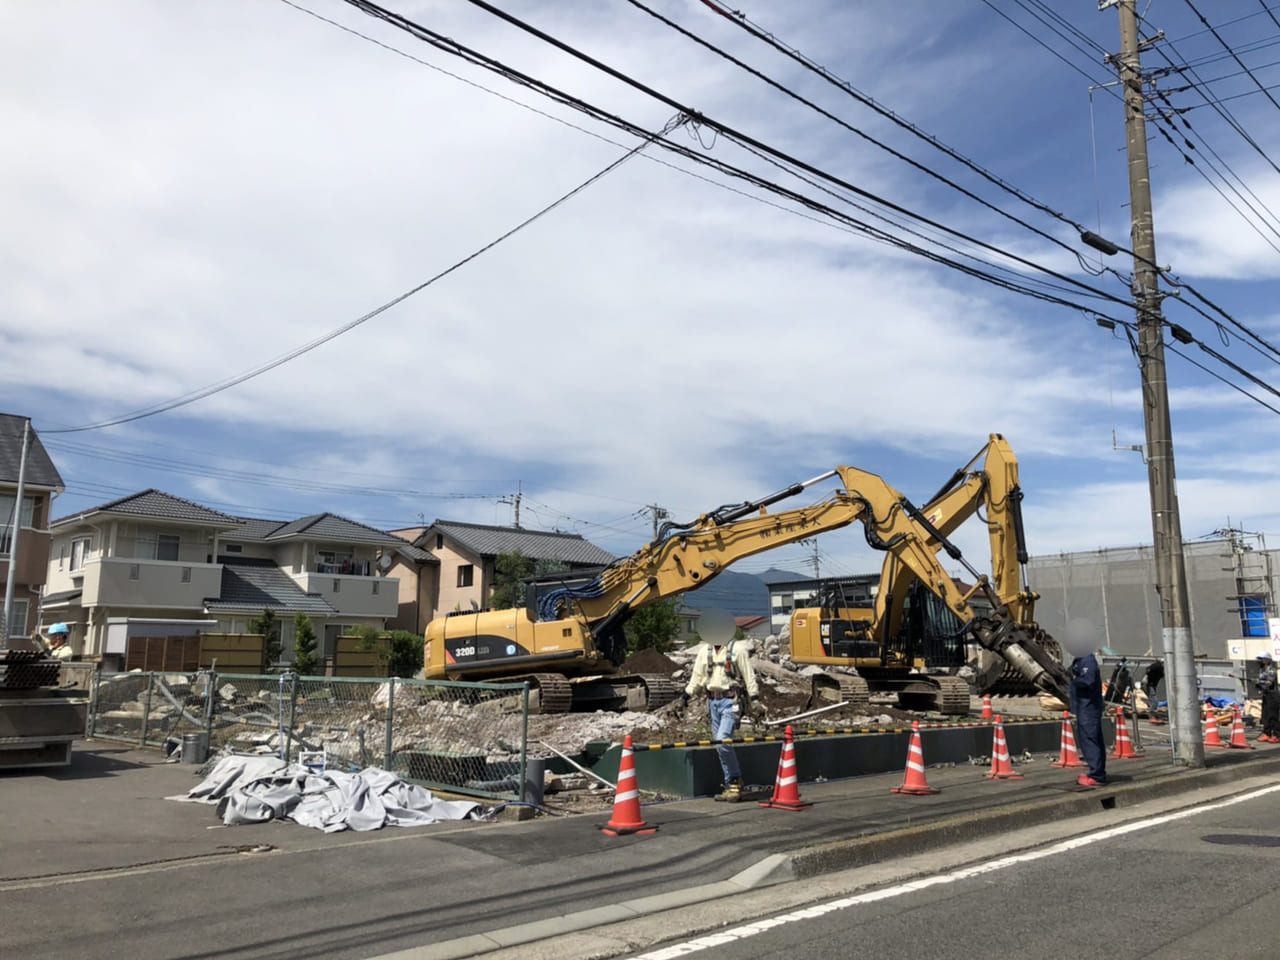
(1086,702)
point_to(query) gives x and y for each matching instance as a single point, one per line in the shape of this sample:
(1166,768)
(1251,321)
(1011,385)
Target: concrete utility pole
(1171,574)
(11,578)
(659,513)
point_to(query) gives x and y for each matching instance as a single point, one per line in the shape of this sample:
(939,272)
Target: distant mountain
(742,594)
(774,575)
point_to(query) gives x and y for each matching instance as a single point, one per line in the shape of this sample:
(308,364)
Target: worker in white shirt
(59,648)
(722,669)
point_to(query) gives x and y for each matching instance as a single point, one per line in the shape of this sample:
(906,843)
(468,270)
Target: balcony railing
(123,581)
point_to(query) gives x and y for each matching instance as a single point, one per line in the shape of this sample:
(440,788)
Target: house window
(186,574)
(18,617)
(62,558)
(337,586)
(466,575)
(80,552)
(376,585)
(6,518)
(135,571)
(439,541)
(167,546)
(233,547)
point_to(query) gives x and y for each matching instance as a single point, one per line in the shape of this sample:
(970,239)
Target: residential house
(153,555)
(41,483)
(462,558)
(786,595)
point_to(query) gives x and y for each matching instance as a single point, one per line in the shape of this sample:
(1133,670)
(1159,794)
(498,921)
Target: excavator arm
(1010,631)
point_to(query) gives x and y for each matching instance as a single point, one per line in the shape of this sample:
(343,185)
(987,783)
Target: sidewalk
(513,883)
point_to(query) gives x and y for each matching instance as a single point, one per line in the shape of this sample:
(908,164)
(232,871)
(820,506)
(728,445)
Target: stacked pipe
(27,670)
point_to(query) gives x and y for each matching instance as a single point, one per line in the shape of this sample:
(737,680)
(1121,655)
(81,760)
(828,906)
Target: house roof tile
(156,504)
(490,541)
(252,584)
(40,469)
(330,526)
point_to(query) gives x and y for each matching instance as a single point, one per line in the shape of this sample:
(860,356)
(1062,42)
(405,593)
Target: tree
(509,572)
(305,661)
(654,626)
(269,628)
(406,653)
(399,651)
(509,569)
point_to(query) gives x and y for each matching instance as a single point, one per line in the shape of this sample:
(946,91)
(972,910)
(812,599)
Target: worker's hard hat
(58,628)
(1264,656)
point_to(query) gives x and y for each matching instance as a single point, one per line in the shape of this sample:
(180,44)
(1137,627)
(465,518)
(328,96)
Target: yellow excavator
(568,639)
(919,634)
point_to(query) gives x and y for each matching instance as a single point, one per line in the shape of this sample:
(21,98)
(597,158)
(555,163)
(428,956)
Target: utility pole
(1171,574)
(11,577)
(659,513)
(514,500)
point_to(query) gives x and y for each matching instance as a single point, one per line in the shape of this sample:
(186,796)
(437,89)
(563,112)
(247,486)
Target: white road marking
(809,913)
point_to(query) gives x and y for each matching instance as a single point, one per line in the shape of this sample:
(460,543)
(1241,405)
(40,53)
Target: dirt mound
(650,661)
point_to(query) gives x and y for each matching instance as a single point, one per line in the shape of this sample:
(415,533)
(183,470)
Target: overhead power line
(923,168)
(701,121)
(221,385)
(1217,36)
(866,100)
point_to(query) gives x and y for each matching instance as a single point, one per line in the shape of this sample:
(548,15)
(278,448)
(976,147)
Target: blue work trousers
(723,722)
(1092,747)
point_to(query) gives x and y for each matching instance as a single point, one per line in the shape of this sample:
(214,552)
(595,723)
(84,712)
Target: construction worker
(1086,700)
(722,669)
(1270,699)
(59,647)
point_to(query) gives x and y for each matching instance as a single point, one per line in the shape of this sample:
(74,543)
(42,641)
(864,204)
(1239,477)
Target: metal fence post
(391,722)
(524,745)
(208,708)
(293,713)
(146,711)
(92,724)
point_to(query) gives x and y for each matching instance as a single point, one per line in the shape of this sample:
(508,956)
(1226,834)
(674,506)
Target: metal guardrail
(469,738)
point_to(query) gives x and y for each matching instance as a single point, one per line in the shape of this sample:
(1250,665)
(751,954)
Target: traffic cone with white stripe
(1001,765)
(913,781)
(1124,746)
(1238,742)
(626,799)
(1211,737)
(786,787)
(987,712)
(1068,756)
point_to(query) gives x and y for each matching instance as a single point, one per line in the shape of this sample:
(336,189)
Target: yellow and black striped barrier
(842,732)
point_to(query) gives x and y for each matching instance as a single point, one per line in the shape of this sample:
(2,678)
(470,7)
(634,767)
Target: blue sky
(192,190)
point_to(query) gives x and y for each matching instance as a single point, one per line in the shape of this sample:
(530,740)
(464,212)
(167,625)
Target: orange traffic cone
(626,799)
(1211,738)
(1001,765)
(986,706)
(786,787)
(1124,746)
(913,782)
(1238,741)
(1069,756)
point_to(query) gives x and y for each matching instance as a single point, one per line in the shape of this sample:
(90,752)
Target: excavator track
(660,690)
(949,696)
(829,688)
(551,693)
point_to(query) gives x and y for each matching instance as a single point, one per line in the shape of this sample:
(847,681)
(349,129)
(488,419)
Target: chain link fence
(469,738)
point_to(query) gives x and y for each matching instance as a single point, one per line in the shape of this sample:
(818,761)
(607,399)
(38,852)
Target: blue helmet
(58,628)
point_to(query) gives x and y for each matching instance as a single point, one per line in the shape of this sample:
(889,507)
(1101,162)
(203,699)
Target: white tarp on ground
(258,789)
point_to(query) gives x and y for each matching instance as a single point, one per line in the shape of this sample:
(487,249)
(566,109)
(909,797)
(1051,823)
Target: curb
(860,851)
(838,855)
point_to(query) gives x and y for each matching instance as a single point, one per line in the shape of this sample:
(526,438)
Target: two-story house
(40,484)
(457,561)
(155,556)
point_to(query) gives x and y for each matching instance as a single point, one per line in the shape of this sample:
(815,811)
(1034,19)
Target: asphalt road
(1200,885)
